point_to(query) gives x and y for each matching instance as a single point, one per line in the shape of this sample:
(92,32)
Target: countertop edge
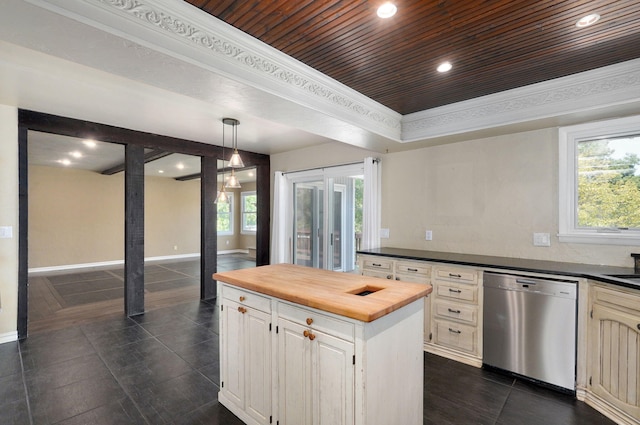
(533,266)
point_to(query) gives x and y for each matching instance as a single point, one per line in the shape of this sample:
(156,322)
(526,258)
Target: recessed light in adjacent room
(590,19)
(160,171)
(90,143)
(64,161)
(76,154)
(387,10)
(444,67)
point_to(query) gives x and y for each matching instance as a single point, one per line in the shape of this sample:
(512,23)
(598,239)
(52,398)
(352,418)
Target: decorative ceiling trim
(187,33)
(600,88)
(231,53)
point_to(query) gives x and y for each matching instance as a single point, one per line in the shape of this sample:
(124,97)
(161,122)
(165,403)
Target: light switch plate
(541,239)
(428,235)
(6,232)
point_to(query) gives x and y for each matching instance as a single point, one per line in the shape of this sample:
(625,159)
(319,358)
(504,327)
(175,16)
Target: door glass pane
(307,221)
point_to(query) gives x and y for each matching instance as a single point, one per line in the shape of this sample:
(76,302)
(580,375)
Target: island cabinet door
(246,359)
(332,363)
(316,377)
(294,374)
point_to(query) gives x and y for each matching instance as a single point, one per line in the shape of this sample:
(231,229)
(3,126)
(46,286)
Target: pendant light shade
(222,196)
(232,181)
(235,161)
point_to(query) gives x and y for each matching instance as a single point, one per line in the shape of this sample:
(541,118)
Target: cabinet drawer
(377,264)
(246,297)
(618,298)
(457,292)
(458,275)
(314,319)
(462,312)
(413,268)
(456,335)
(375,273)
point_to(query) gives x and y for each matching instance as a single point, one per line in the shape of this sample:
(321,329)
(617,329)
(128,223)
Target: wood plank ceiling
(494,45)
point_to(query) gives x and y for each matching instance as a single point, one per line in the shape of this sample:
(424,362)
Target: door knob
(311,336)
(305,333)
(309,320)
(242,310)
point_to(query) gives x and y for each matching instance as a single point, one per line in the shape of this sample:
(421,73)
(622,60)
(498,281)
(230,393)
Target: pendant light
(235,161)
(222,195)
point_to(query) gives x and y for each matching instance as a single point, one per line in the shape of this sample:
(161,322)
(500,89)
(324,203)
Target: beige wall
(172,217)
(9,217)
(485,196)
(75,217)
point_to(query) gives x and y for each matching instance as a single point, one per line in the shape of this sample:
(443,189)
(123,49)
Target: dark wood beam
(148,157)
(23,239)
(134,230)
(208,229)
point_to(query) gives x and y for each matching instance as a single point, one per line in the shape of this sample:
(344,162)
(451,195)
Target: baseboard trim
(105,264)
(8,337)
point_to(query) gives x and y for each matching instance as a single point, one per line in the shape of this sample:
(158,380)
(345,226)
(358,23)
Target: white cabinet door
(294,374)
(246,359)
(257,365)
(332,380)
(316,377)
(232,353)
(615,361)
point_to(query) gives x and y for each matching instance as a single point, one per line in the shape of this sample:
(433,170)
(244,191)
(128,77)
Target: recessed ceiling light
(180,166)
(76,154)
(387,10)
(90,143)
(444,67)
(588,20)
(160,171)
(64,161)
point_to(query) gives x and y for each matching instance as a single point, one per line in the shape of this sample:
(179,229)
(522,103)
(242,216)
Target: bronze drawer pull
(390,276)
(457,291)
(453,311)
(412,270)
(455,331)
(309,320)
(376,265)
(457,276)
(242,298)
(242,310)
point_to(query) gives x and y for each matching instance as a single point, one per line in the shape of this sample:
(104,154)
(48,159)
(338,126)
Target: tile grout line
(24,383)
(99,354)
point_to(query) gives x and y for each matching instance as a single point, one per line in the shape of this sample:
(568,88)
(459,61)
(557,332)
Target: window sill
(600,238)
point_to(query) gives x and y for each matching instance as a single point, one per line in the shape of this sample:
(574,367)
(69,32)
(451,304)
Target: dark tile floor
(162,368)
(79,288)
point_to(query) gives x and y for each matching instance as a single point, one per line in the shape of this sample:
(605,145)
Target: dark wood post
(134,230)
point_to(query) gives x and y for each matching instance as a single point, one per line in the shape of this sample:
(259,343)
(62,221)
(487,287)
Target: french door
(324,221)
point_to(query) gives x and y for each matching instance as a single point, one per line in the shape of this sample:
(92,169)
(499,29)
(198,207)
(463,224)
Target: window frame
(231,213)
(568,138)
(243,230)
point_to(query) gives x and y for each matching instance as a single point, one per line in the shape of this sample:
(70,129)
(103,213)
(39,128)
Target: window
(249,212)
(225,216)
(599,182)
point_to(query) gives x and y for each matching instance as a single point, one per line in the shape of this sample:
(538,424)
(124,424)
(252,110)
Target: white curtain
(280,252)
(371,204)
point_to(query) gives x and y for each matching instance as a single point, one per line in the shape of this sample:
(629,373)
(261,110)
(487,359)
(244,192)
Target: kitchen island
(301,345)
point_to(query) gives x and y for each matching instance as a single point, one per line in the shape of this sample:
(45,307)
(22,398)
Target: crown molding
(185,32)
(599,88)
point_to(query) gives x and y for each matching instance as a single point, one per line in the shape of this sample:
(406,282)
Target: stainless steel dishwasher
(529,327)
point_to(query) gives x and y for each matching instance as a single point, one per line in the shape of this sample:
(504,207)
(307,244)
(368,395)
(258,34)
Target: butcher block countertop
(327,290)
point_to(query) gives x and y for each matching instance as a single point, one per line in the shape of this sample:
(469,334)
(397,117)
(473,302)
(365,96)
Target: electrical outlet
(428,236)
(384,233)
(175,247)
(6,232)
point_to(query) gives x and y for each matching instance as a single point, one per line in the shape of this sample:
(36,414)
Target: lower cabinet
(286,364)
(245,351)
(614,354)
(316,376)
